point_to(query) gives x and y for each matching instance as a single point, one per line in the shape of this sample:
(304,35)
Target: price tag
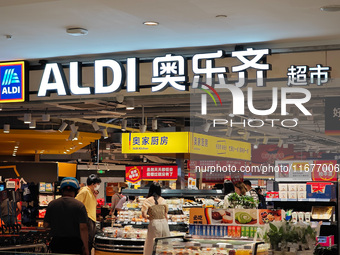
(132,222)
(284,199)
(312,199)
(139,223)
(126,222)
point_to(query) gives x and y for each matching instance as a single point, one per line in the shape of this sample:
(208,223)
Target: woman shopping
(155,209)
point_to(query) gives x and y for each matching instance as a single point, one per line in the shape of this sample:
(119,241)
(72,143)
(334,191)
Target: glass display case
(185,245)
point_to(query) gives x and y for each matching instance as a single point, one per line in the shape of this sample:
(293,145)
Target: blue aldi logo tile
(12,82)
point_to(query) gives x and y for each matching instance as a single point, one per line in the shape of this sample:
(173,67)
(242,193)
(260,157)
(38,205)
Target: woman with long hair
(155,209)
(229,189)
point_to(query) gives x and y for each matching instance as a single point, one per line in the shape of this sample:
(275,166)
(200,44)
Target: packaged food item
(301,187)
(307,216)
(292,187)
(283,187)
(301,216)
(294,217)
(292,195)
(302,194)
(283,194)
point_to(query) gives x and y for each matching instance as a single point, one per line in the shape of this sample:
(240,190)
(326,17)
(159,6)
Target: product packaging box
(292,195)
(321,190)
(283,187)
(326,241)
(292,187)
(301,187)
(302,194)
(283,194)
(322,212)
(272,194)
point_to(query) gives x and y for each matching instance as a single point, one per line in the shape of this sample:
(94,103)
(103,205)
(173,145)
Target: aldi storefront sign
(12,82)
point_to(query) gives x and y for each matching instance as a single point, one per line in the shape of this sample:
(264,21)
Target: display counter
(117,246)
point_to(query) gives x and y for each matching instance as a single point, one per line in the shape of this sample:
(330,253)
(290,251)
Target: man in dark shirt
(67,218)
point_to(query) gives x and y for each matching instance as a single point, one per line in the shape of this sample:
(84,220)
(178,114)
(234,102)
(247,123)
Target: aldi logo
(12,82)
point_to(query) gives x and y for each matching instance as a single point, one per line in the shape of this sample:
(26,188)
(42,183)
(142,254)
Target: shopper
(251,192)
(262,199)
(67,219)
(155,209)
(117,196)
(228,189)
(240,189)
(87,196)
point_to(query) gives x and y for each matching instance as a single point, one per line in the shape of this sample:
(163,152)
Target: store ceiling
(36,29)
(30,142)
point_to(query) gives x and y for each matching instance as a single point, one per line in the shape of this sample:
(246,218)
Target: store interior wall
(31,171)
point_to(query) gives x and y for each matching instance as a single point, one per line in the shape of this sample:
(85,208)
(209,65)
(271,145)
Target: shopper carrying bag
(155,209)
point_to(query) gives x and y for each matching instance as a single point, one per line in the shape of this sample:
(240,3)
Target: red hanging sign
(133,174)
(159,173)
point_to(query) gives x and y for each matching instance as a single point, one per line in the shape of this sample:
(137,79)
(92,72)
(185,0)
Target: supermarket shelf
(300,200)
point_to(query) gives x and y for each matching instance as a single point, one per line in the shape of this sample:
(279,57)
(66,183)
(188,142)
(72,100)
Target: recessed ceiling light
(151,23)
(221,16)
(77,31)
(330,8)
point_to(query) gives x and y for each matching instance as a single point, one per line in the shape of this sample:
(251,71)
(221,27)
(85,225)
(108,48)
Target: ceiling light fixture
(229,131)
(62,127)
(124,124)
(46,117)
(265,140)
(27,118)
(151,23)
(76,31)
(246,136)
(32,124)
(221,16)
(104,133)
(241,132)
(73,127)
(6,128)
(130,104)
(95,125)
(279,144)
(76,136)
(256,145)
(142,128)
(71,136)
(330,8)
(120,98)
(206,127)
(108,146)
(0,107)
(154,124)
